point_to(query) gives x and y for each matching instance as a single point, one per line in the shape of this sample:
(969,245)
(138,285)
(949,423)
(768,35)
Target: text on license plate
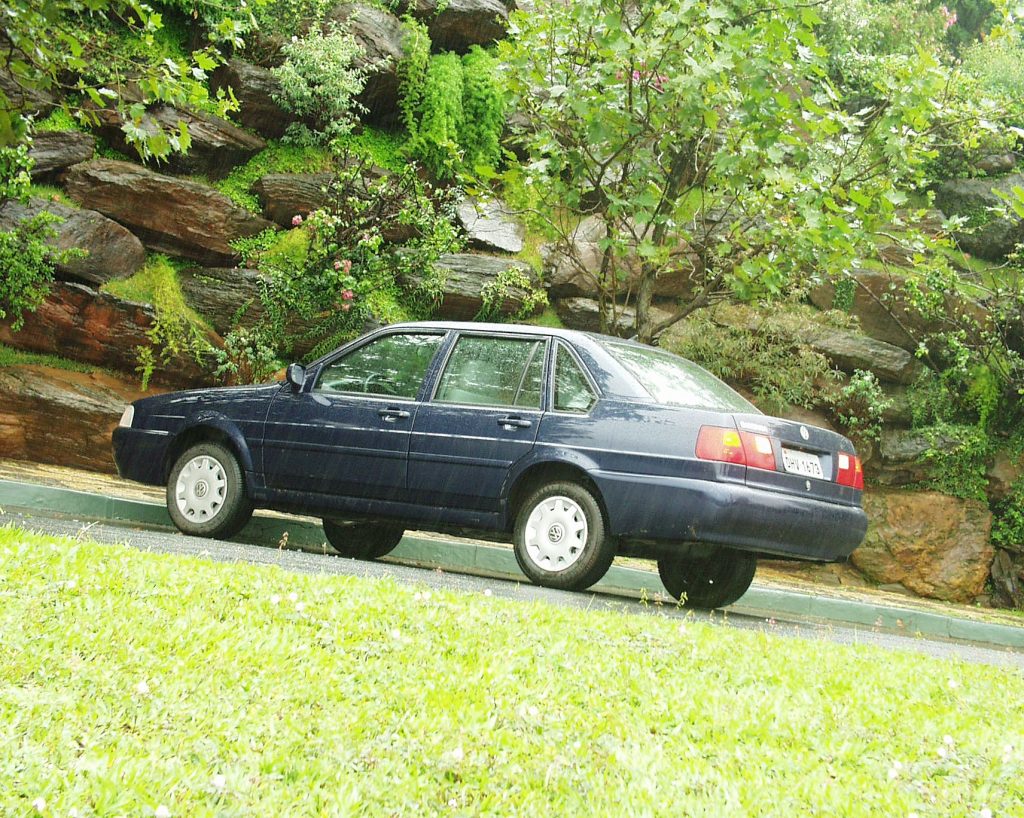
(802,463)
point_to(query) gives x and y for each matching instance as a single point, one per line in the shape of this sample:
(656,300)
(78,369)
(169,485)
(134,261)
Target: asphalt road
(169,542)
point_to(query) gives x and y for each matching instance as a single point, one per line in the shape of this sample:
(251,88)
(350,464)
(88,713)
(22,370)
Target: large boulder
(217,145)
(29,101)
(490,226)
(985,236)
(170,215)
(65,418)
(285,195)
(932,544)
(79,323)
(572,267)
(53,151)
(880,305)
(902,456)
(381,35)
(585,314)
(851,351)
(111,251)
(255,88)
(467,279)
(455,25)
(227,297)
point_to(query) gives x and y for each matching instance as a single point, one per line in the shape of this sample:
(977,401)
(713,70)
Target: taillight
(730,446)
(850,472)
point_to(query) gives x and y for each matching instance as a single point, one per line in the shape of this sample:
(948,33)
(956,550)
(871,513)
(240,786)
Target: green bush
(319,82)
(27,262)
(412,71)
(483,108)
(435,140)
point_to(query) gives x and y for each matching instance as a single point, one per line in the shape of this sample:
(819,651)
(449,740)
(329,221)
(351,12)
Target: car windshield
(676,381)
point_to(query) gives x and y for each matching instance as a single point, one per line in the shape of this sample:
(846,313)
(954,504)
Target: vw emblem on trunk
(808,484)
(804,433)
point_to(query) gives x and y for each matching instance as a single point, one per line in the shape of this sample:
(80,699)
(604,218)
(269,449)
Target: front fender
(223,427)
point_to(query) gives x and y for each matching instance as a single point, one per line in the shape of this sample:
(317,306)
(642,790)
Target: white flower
(985,812)
(894,770)
(219,781)
(162,812)
(396,634)
(142,688)
(487,592)
(73,813)
(293,597)
(275,599)
(943,752)
(300,606)
(953,684)
(39,805)
(70,584)
(948,741)
(533,711)
(458,754)
(417,597)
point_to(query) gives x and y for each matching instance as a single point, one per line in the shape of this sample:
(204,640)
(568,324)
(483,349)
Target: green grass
(9,356)
(130,681)
(275,158)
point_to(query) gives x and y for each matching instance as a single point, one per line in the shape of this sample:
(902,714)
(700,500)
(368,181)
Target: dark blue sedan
(577,446)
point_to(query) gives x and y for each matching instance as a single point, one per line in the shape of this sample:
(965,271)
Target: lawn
(143,685)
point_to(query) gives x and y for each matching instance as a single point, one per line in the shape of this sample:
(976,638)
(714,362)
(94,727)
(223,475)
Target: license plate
(802,463)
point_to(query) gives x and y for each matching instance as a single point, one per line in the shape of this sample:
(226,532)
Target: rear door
(347,433)
(483,417)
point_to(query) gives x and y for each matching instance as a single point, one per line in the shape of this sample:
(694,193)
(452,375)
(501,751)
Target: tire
(560,539)
(206,492)
(708,582)
(362,541)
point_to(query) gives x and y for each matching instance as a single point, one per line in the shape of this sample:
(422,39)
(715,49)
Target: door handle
(514,423)
(391,415)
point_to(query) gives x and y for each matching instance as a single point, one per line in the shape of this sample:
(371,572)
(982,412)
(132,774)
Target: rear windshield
(675,381)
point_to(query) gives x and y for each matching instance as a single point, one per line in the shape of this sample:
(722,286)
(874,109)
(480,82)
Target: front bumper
(678,509)
(140,454)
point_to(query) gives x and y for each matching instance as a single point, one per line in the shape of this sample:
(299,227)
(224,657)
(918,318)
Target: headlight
(127,416)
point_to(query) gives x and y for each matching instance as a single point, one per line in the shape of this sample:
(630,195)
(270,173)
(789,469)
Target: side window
(393,365)
(494,372)
(573,392)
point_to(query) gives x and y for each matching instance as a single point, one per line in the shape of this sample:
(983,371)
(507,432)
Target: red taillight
(730,446)
(850,472)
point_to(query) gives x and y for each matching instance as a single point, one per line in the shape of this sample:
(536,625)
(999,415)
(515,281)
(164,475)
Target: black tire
(551,513)
(206,492)
(708,582)
(362,541)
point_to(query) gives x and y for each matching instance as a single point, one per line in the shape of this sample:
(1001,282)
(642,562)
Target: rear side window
(676,381)
(393,365)
(494,372)
(573,392)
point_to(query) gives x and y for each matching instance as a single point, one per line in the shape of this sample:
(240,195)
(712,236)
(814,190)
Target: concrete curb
(499,562)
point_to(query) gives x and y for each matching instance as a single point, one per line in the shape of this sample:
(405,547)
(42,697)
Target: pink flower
(296,220)
(337,265)
(348,295)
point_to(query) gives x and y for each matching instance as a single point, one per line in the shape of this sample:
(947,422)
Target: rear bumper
(140,454)
(730,514)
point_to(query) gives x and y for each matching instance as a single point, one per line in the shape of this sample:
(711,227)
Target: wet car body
(478,417)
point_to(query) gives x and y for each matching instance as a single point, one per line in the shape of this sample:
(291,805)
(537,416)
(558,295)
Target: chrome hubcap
(556,533)
(201,488)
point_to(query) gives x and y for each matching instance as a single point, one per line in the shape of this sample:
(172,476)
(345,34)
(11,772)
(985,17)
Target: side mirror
(296,376)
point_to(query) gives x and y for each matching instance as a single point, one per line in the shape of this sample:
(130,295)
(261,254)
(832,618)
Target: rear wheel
(560,539)
(708,582)
(206,492)
(362,541)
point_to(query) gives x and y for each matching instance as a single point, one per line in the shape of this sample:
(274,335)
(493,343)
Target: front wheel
(362,541)
(708,582)
(560,539)
(206,492)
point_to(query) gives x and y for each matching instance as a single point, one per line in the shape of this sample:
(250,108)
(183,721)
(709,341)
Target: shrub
(412,71)
(28,264)
(483,110)
(319,82)
(435,141)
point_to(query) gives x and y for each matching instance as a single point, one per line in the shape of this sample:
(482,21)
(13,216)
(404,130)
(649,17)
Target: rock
(65,418)
(111,250)
(285,195)
(490,226)
(96,328)
(901,457)
(1004,471)
(899,411)
(932,544)
(850,351)
(1008,578)
(881,307)
(572,268)
(227,297)
(175,216)
(380,34)
(996,163)
(56,150)
(455,25)
(585,314)
(217,145)
(466,277)
(810,417)
(254,88)
(26,101)
(991,238)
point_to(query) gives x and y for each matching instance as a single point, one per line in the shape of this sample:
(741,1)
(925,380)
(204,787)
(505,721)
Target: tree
(62,48)
(707,140)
